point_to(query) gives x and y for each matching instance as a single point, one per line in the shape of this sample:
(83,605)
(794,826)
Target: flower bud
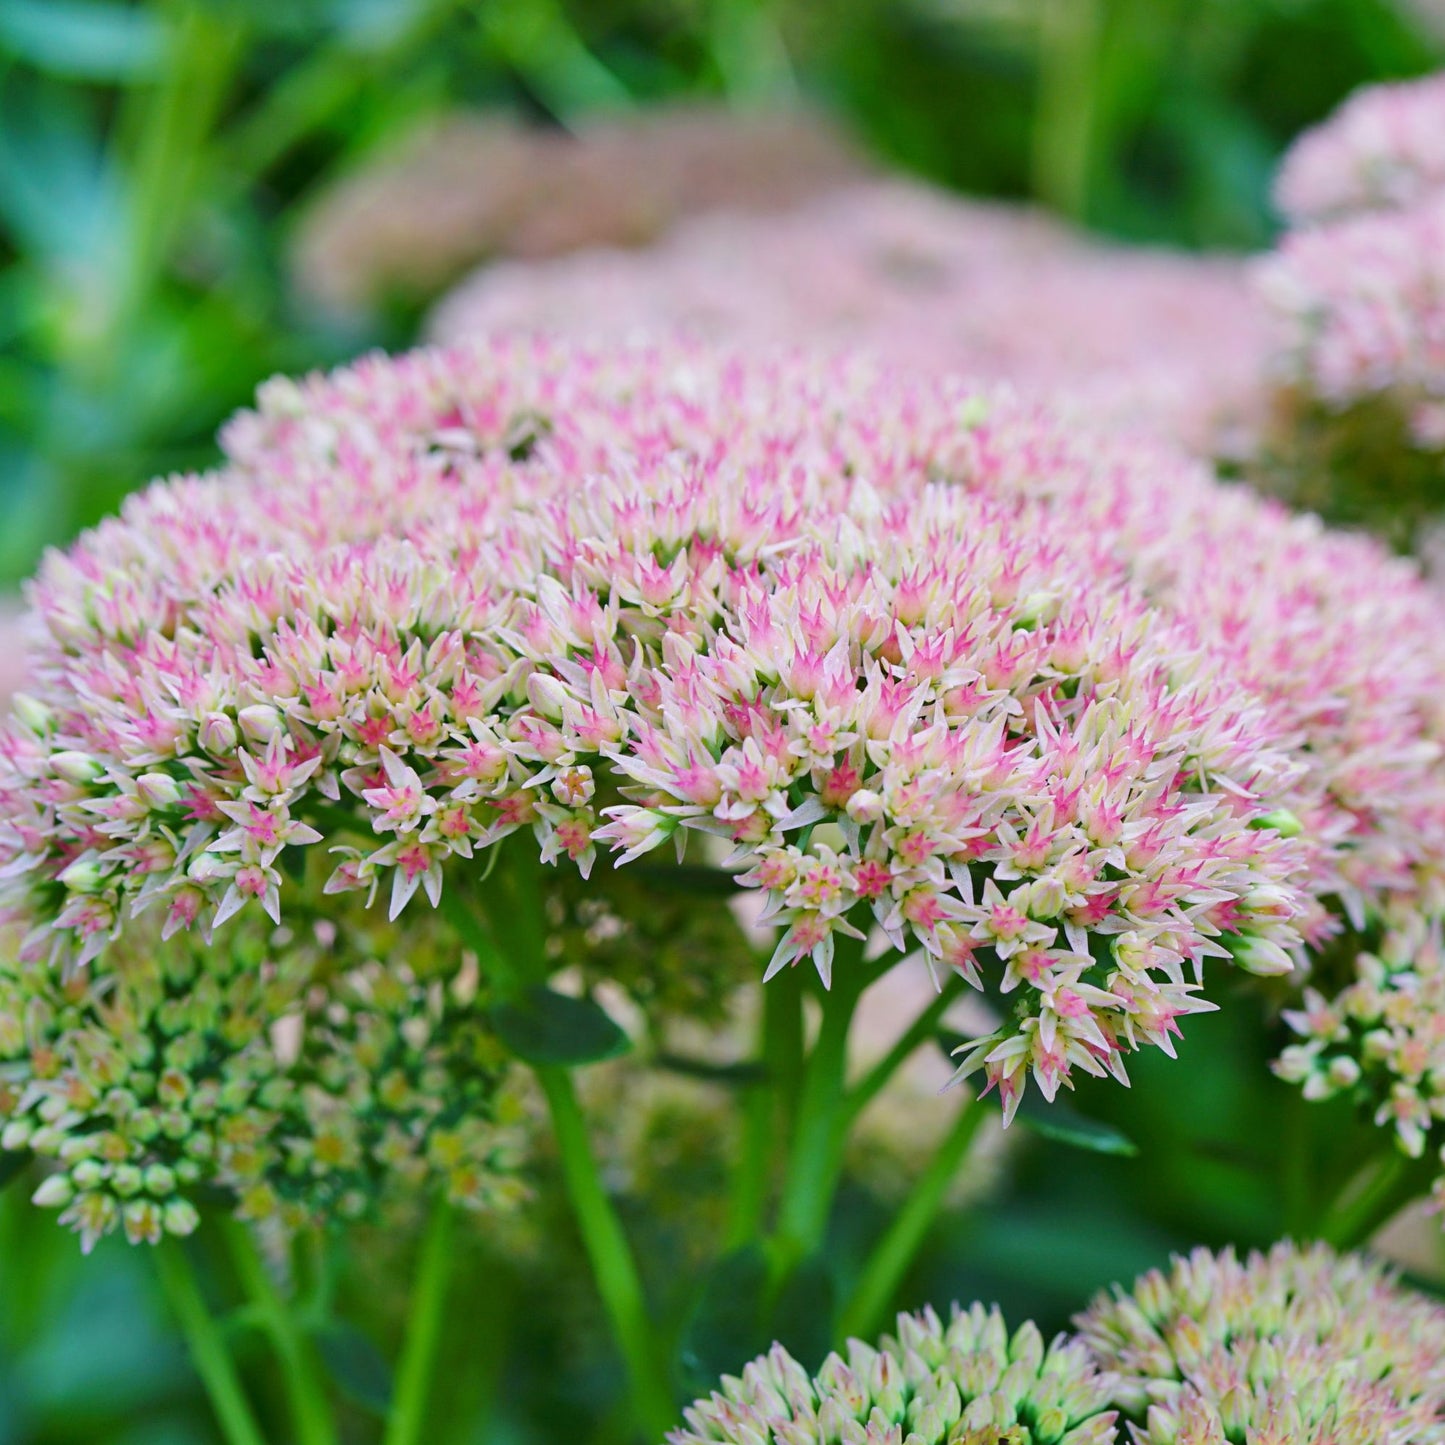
(75,767)
(32,712)
(547,695)
(55,1192)
(180,1218)
(207,867)
(260,722)
(218,735)
(160,790)
(16,1135)
(1285,823)
(1260,956)
(85,875)
(865,806)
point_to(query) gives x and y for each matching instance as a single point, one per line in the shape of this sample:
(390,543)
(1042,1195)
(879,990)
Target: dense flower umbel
(1383,148)
(1360,312)
(305,1080)
(1382,1039)
(1296,1347)
(967,1382)
(620,600)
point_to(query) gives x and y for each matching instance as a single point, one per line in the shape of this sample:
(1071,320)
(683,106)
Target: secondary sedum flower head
(1299,1346)
(611,601)
(301,1078)
(1383,148)
(1359,308)
(1381,1039)
(967,1382)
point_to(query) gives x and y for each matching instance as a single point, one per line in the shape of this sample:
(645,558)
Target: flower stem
(613,1265)
(305,1389)
(885,1267)
(767,1105)
(1394,1182)
(815,1158)
(423,1331)
(207,1346)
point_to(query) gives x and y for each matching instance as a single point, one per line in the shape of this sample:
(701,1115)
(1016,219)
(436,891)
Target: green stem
(1070,34)
(405,1424)
(305,1390)
(917,1033)
(1395,1181)
(612,1262)
(207,1346)
(886,1266)
(815,1158)
(767,1105)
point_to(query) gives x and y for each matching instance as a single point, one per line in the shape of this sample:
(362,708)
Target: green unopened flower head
(967,1382)
(1294,1347)
(295,1078)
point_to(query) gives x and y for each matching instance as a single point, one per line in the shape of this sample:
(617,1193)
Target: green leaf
(84,39)
(356,1365)
(1056,1122)
(1064,1125)
(727,1326)
(545,1027)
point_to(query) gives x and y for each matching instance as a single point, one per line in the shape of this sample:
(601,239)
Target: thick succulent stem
(815,1158)
(613,1265)
(886,1266)
(300,1372)
(407,1419)
(207,1346)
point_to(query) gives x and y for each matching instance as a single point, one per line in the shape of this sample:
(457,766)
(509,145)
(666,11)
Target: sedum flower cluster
(612,601)
(1382,1038)
(969,1382)
(1294,1347)
(1384,149)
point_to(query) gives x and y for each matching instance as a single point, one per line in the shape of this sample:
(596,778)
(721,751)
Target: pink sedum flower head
(1384,148)
(617,601)
(1359,311)
(1295,1347)
(967,1382)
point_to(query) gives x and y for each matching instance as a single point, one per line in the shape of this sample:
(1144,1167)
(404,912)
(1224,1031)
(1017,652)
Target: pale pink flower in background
(13,671)
(1359,309)
(1116,336)
(1383,148)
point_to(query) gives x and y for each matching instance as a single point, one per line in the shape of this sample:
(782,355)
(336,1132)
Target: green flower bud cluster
(1296,1347)
(968,1382)
(299,1078)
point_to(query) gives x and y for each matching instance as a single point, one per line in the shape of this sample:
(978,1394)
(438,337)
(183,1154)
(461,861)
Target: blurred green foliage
(153,161)
(155,157)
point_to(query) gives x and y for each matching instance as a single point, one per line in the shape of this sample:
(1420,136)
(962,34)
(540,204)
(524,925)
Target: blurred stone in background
(471,187)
